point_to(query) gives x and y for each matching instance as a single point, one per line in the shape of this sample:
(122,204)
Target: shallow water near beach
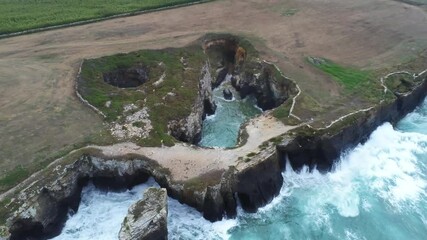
(377,191)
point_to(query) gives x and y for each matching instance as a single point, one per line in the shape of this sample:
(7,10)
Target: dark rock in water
(147,218)
(228,95)
(127,78)
(222,74)
(213,207)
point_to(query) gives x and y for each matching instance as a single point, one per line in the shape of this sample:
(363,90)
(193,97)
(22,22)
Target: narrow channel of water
(222,128)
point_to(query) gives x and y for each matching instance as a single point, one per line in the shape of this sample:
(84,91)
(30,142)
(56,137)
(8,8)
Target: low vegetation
(168,89)
(361,83)
(20,15)
(12,177)
(168,94)
(349,77)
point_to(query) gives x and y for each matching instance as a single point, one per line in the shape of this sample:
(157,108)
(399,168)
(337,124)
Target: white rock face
(147,218)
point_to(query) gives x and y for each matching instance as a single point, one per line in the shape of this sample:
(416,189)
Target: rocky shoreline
(40,209)
(322,148)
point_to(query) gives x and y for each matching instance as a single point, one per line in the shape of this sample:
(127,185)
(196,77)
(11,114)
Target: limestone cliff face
(255,184)
(265,82)
(147,218)
(323,148)
(47,202)
(189,129)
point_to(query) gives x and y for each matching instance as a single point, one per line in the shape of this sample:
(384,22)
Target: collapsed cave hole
(248,75)
(244,85)
(127,77)
(226,54)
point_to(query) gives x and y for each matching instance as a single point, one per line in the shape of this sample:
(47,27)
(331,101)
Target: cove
(101,213)
(222,128)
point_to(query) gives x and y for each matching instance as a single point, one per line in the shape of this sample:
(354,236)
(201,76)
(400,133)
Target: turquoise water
(222,128)
(377,191)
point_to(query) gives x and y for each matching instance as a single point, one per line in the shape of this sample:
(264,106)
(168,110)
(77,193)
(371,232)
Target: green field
(20,15)
(362,84)
(349,77)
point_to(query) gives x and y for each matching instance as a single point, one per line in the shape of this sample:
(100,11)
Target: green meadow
(20,15)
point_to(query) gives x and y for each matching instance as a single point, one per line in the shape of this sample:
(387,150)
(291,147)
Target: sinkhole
(127,77)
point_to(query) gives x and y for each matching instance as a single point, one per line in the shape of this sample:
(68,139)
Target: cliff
(321,148)
(189,129)
(261,79)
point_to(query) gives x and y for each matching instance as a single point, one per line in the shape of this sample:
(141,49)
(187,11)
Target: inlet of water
(222,128)
(101,213)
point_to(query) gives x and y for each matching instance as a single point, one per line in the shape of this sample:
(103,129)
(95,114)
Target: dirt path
(185,161)
(40,115)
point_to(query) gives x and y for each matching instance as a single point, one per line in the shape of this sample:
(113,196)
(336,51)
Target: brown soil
(39,113)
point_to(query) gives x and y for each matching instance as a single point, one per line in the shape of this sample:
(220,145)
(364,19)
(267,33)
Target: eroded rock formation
(265,82)
(248,74)
(47,202)
(322,148)
(189,129)
(147,218)
(255,182)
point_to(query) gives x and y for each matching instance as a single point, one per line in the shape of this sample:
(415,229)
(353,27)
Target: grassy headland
(168,99)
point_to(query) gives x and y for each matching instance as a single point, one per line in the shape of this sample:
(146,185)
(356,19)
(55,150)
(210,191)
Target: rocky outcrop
(265,82)
(322,148)
(189,129)
(47,202)
(258,184)
(249,75)
(228,95)
(147,218)
(255,184)
(254,181)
